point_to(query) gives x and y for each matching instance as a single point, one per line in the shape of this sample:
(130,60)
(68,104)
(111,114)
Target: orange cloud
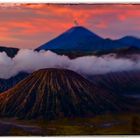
(101,25)
(34,24)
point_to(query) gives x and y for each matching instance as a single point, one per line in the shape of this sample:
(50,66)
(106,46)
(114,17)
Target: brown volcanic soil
(56,93)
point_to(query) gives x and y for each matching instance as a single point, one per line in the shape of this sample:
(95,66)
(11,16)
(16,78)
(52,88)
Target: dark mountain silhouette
(127,51)
(11,52)
(123,83)
(130,41)
(6,84)
(56,93)
(75,39)
(79,41)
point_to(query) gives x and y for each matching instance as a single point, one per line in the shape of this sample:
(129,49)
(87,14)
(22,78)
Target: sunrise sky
(30,25)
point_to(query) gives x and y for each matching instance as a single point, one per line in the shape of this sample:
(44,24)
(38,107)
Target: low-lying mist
(29,61)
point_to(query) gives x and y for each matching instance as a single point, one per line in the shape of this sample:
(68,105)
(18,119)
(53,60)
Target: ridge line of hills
(79,41)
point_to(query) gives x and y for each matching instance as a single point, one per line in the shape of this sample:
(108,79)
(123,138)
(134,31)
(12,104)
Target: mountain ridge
(130,40)
(70,42)
(67,40)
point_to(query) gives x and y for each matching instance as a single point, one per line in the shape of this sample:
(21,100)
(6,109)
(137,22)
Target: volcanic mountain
(75,39)
(81,41)
(55,93)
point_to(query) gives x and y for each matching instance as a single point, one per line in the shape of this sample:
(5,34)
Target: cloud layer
(29,61)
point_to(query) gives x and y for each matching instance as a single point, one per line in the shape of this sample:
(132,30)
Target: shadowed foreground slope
(57,93)
(6,84)
(123,83)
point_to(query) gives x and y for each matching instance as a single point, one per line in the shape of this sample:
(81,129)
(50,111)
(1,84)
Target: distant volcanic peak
(76,38)
(54,93)
(76,28)
(82,30)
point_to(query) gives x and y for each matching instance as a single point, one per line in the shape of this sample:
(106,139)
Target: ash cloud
(28,61)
